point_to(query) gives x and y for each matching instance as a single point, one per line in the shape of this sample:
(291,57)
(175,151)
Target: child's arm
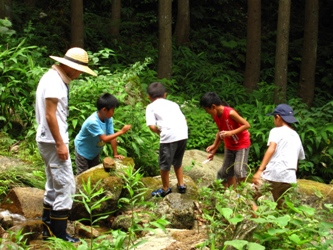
(267,157)
(236,117)
(115,151)
(109,138)
(213,148)
(155,129)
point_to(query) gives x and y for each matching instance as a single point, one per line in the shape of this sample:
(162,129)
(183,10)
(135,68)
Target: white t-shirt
(51,86)
(168,117)
(282,166)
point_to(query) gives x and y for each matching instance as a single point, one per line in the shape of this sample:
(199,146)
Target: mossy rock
(312,192)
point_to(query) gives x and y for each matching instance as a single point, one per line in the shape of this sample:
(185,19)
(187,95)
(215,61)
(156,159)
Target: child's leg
(179,175)
(231,182)
(179,151)
(226,172)
(165,179)
(240,165)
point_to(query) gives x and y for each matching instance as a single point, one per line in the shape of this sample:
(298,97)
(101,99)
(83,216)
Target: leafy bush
(18,74)
(232,222)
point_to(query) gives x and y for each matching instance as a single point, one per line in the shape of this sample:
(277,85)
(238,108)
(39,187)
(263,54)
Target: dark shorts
(234,164)
(171,154)
(278,189)
(83,164)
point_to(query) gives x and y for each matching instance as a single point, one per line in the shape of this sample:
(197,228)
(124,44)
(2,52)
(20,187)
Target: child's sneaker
(182,189)
(160,192)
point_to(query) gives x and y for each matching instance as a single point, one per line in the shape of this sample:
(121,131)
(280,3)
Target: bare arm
(267,157)
(109,138)
(51,118)
(155,129)
(236,117)
(114,150)
(213,148)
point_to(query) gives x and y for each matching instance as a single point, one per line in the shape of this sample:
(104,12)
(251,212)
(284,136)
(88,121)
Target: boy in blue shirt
(95,132)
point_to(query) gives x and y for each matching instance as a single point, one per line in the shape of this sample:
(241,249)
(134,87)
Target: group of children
(164,117)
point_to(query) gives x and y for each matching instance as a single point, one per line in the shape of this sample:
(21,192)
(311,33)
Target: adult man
(52,139)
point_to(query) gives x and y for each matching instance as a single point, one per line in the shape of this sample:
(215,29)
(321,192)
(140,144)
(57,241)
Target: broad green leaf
(238,244)
(282,221)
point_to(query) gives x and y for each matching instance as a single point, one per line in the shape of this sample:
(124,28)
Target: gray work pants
(60,182)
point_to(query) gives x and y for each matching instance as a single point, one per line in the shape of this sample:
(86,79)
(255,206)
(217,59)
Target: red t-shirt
(226,123)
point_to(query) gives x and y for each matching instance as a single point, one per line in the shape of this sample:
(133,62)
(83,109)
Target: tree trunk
(165,39)
(77,36)
(182,30)
(6,9)
(253,45)
(281,55)
(115,18)
(309,55)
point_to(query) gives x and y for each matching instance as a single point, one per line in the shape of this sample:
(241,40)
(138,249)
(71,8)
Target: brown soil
(187,240)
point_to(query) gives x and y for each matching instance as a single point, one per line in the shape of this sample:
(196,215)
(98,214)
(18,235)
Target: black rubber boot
(46,222)
(59,225)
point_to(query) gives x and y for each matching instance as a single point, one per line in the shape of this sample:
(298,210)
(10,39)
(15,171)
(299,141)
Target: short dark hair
(156,90)
(210,98)
(107,101)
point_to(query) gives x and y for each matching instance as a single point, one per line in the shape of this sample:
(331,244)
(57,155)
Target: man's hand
(62,151)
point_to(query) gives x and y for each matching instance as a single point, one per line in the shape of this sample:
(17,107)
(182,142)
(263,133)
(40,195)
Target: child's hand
(126,128)
(224,134)
(211,150)
(256,178)
(119,156)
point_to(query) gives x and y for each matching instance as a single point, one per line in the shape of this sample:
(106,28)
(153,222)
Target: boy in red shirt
(233,131)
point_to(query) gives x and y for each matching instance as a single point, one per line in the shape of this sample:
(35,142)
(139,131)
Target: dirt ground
(187,240)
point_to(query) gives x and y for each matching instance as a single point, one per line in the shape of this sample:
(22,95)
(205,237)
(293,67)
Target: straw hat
(76,58)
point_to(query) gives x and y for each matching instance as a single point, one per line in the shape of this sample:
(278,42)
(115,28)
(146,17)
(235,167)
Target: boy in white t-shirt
(280,161)
(165,118)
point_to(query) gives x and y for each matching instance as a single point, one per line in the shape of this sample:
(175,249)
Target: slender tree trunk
(253,45)
(309,55)
(182,30)
(281,55)
(6,9)
(115,18)
(165,39)
(77,36)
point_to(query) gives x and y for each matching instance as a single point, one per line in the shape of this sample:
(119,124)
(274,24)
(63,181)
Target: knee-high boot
(59,225)
(46,222)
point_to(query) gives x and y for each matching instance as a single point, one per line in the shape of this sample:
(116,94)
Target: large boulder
(203,174)
(106,175)
(25,201)
(313,193)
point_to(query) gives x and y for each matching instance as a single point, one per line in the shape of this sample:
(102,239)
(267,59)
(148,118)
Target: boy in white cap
(52,138)
(280,161)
